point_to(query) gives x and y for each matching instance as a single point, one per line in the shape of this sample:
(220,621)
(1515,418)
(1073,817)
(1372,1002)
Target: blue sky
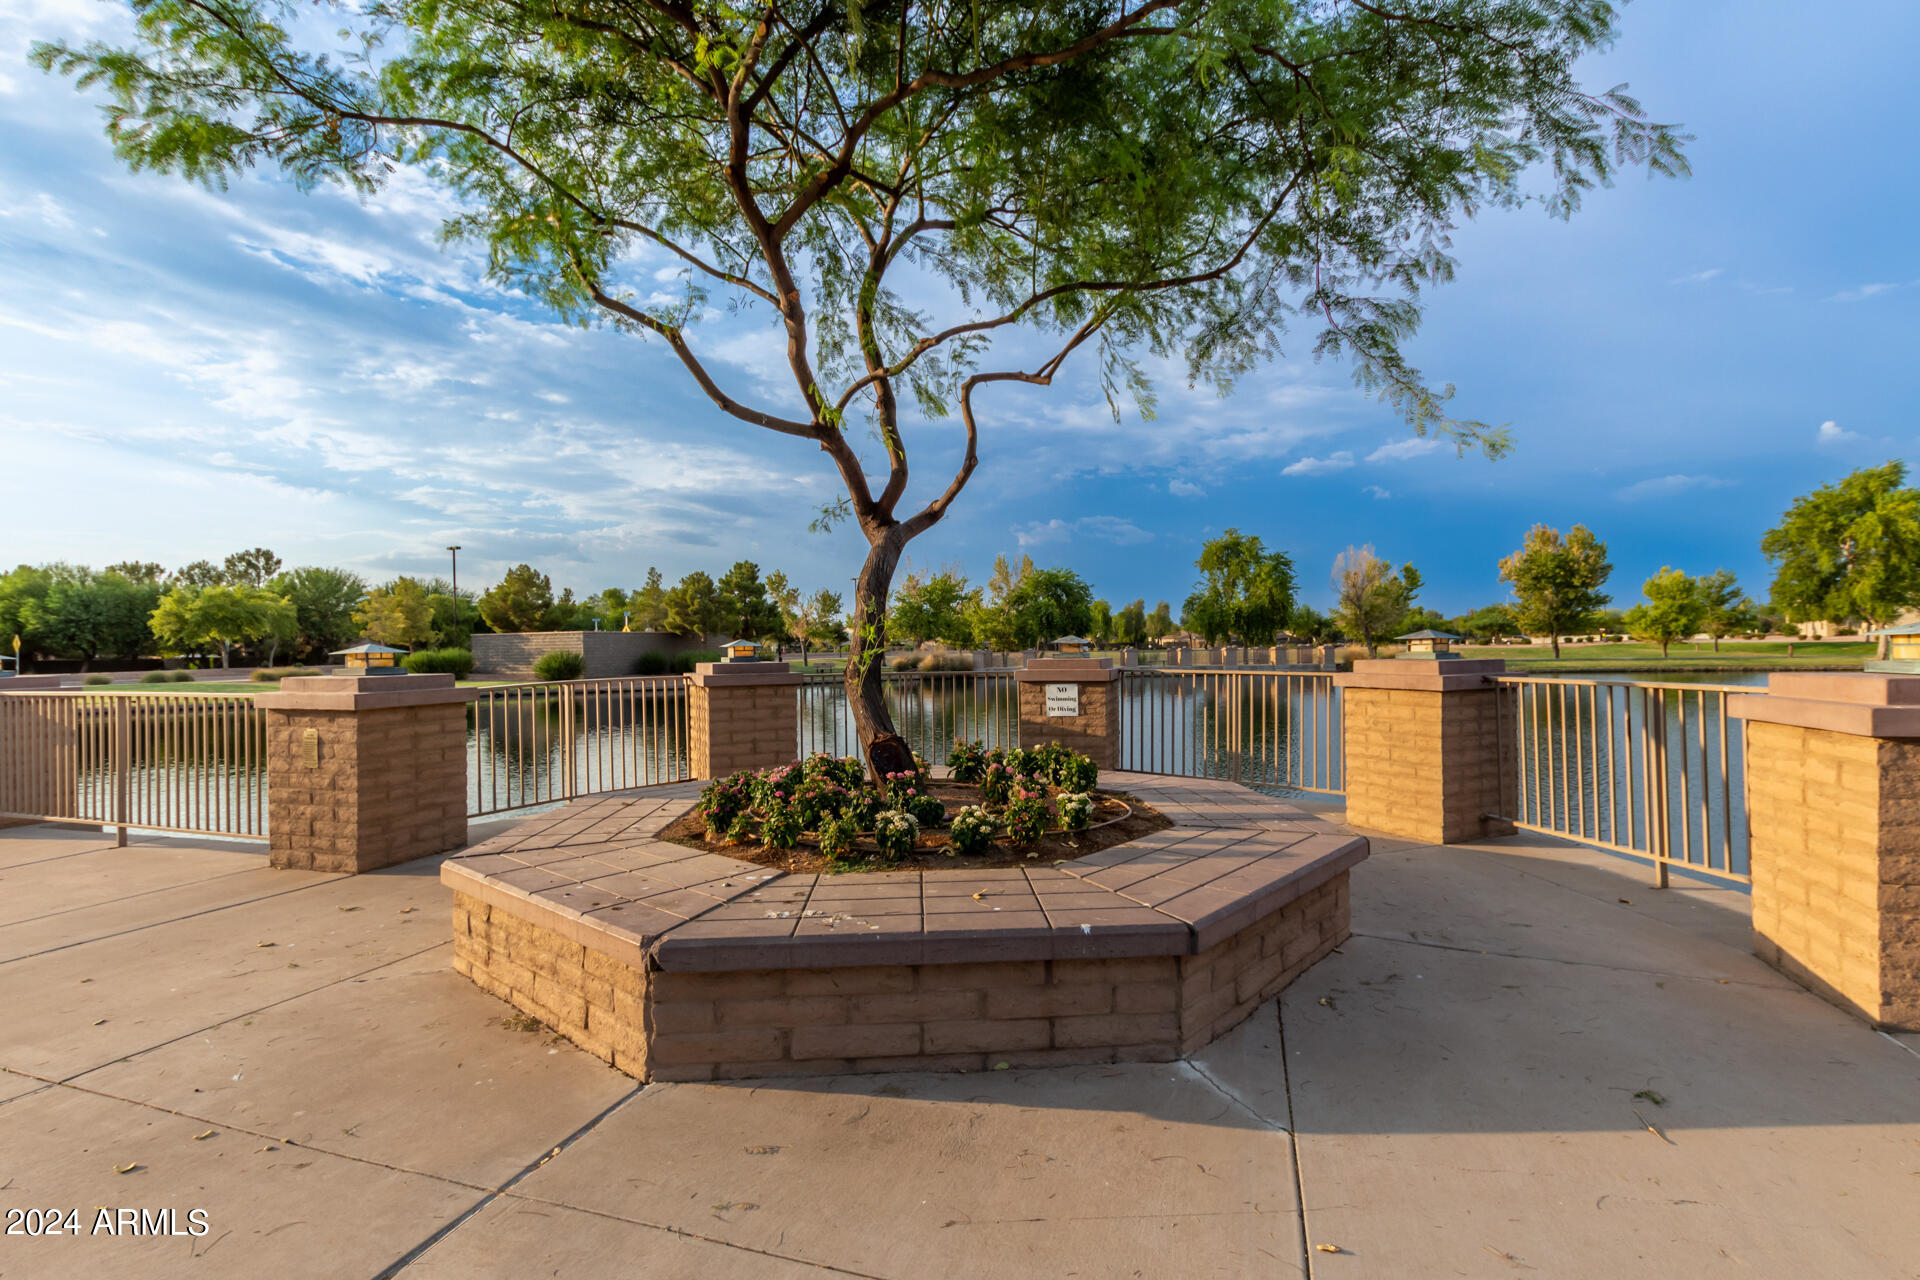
(185,373)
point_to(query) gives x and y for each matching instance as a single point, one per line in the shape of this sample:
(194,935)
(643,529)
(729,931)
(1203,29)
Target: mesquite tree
(931,196)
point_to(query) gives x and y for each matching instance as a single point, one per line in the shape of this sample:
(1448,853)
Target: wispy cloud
(1862,293)
(1699,277)
(1668,486)
(1184,489)
(1831,432)
(1114,529)
(1376,491)
(1319,466)
(1401,450)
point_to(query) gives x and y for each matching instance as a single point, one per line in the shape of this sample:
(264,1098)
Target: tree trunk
(1556,644)
(866,654)
(1663,650)
(1716,644)
(224,663)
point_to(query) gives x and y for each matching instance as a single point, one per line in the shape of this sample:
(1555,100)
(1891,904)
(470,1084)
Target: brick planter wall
(1423,750)
(968,1017)
(744,718)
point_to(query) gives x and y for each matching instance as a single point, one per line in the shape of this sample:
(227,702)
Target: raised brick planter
(674,964)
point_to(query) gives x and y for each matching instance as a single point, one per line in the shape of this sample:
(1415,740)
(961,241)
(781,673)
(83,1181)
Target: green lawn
(1761,655)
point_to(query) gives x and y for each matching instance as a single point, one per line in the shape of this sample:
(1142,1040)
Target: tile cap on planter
(596,873)
(743,673)
(1066,669)
(364,693)
(1863,704)
(1436,677)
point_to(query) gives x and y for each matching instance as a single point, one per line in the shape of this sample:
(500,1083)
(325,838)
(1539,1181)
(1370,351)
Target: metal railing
(930,710)
(1261,728)
(188,762)
(546,741)
(1648,769)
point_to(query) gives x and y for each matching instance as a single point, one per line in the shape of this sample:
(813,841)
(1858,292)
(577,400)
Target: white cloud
(1376,491)
(1667,486)
(1698,277)
(1319,466)
(1832,432)
(1184,489)
(1864,292)
(1401,450)
(1114,529)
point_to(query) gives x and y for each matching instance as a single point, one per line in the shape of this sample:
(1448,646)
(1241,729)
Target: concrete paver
(352,1067)
(51,888)
(1005,1173)
(1464,1103)
(271,1209)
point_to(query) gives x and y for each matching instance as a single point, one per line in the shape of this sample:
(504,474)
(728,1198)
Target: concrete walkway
(1525,1061)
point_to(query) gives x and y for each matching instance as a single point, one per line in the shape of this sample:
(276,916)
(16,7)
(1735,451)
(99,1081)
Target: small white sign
(1063,699)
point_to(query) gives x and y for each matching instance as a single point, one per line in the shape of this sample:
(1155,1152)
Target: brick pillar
(742,715)
(1095,731)
(1422,746)
(1833,795)
(365,771)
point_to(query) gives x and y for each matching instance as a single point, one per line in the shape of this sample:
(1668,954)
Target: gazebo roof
(1072,640)
(739,644)
(1428,633)
(368,647)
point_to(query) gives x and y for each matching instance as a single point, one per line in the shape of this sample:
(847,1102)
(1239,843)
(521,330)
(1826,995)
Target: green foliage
(1371,600)
(1849,550)
(1310,626)
(1075,809)
(1724,608)
(971,831)
(273,675)
(1492,621)
(895,833)
(86,615)
(520,601)
(966,762)
(455,662)
(1557,581)
(695,607)
(723,800)
(323,602)
(779,825)
(560,664)
(1160,621)
(1046,604)
(189,618)
(836,837)
(932,608)
(1130,624)
(254,568)
(155,677)
(1673,609)
(96,680)
(1027,815)
(744,602)
(648,605)
(1246,591)
(397,614)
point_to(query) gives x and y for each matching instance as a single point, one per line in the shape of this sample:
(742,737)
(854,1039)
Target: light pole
(455,549)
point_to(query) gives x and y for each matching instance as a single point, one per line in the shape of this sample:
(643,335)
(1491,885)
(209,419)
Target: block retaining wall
(657,1025)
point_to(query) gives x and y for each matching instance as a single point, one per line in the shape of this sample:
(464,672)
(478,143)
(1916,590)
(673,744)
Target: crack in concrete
(1581,964)
(1293,1139)
(127,897)
(191,915)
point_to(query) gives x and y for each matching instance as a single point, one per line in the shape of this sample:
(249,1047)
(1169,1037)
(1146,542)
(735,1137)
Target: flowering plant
(996,782)
(1026,814)
(967,761)
(971,832)
(895,833)
(1075,809)
(1075,772)
(836,837)
(723,800)
(779,825)
(927,809)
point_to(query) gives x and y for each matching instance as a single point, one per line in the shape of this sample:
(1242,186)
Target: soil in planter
(930,850)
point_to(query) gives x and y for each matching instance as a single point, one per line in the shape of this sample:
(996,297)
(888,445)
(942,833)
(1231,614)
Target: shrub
(1044,761)
(836,837)
(724,799)
(179,677)
(682,663)
(561,664)
(780,825)
(1075,809)
(946,662)
(996,783)
(927,809)
(1027,814)
(777,785)
(895,833)
(966,762)
(861,806)
(818,798)
(156,677)
(971,832)
(455,662)
(1076,773)
(740,830)
(651,664)
(96,680)
(905,662)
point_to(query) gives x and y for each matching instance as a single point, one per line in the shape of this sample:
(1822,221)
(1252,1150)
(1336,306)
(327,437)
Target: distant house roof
(368,647)
(1428,633)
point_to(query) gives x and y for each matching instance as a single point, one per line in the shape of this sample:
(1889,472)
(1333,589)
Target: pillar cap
(364,693)
(1430,677)
(1066,669)
(742,674)
(1864,704)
